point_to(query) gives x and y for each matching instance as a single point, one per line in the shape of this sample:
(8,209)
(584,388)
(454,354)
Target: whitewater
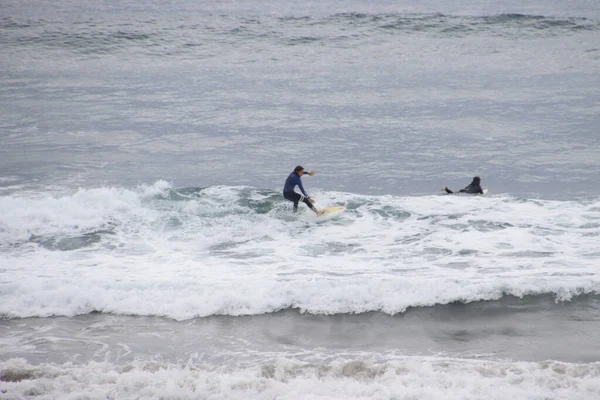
(147,252)
(198,252)
(188,254)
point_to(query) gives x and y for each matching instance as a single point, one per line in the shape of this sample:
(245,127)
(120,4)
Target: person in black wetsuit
(290,194)
(473,188)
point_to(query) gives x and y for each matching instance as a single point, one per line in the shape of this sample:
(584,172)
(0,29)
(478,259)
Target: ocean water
(146,251)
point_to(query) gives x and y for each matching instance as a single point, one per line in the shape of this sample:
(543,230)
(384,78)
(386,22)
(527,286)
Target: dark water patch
(227,246)
(546,232)
(343,248)
(455,216)
(179,194)
(231,249)
(531,328)
(459,227)
(489,226)
(389,212)
(467,252)
(173,222)
(512,17)
(356,204)
(459,29)
(510,25)
(10,23)
(241,30)
(357,369)
(90,37)
(411,238)
(590,234)
(183,194)
(344,274)
(459,265)
(507,304)
(541,23)
(354,16)
(302,40)
(437,217)
(415,23)
(87,40)
(525,201)
(16,375)
(437,251)
(292,18)
(590,225)
(261,206)
(70,243)
(356,20)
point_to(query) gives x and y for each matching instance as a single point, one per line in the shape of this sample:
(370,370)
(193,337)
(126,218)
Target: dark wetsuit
(288,191)
(473,188)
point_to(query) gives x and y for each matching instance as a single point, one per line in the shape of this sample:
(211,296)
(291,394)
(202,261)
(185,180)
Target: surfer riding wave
(290,194)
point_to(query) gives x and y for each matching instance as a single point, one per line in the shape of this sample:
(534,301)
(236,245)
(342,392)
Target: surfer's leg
(293,197)
(309,204)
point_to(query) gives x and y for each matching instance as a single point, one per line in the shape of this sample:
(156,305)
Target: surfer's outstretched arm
(445,188)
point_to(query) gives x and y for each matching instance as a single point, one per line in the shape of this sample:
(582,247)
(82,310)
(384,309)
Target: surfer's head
(476,180)
(298,169)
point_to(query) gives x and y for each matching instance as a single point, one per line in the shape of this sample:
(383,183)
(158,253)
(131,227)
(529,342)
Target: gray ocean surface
(379,97)
(146,252)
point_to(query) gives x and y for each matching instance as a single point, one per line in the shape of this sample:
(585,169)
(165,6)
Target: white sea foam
(402,378)
(237,251)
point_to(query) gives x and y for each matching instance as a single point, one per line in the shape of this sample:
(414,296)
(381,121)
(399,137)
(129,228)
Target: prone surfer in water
(473,188)
(290,194)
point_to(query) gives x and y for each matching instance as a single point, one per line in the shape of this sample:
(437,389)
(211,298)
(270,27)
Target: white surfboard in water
(330,211)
